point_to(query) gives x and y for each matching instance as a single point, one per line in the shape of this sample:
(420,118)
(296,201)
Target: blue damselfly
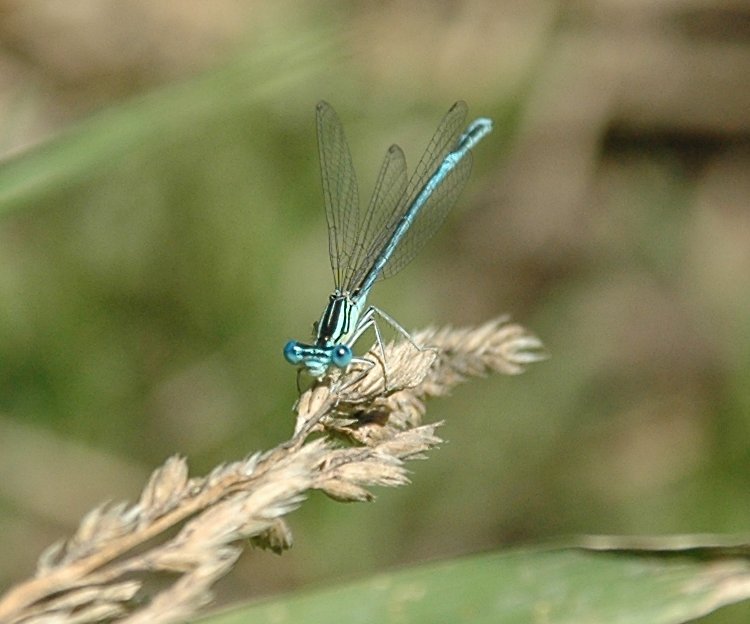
(368,245)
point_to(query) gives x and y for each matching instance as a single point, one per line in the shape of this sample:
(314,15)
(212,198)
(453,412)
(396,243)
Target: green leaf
(574,586)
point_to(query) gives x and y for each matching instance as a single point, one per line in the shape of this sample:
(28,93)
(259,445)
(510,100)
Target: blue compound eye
(292,352)
(341,356)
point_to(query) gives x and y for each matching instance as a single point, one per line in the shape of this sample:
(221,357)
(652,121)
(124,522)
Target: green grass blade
(554,586)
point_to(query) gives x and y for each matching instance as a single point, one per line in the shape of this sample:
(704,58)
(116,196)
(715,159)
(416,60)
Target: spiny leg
(372,310)
(368,320)
(399,328)
(379,340)
(365,322)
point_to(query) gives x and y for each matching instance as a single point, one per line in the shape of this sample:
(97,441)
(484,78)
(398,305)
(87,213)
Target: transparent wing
(430,217)
(386,197)
(432,212)
(339,190)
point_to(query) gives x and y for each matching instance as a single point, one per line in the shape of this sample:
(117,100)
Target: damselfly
(365,246)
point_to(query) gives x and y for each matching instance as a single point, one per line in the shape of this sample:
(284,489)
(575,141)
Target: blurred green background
(162,236)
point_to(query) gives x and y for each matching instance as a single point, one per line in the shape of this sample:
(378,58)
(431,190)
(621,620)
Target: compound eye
(341,356)
(292,352)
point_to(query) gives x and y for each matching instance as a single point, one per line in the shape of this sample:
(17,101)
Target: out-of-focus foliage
(162,236)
